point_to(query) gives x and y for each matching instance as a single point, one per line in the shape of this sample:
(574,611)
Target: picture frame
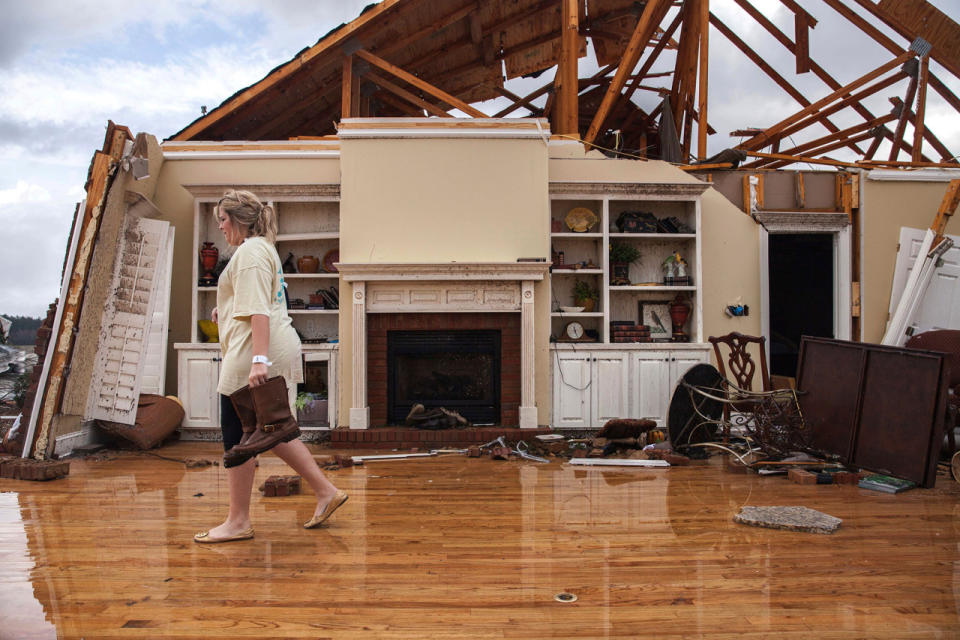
(656,315)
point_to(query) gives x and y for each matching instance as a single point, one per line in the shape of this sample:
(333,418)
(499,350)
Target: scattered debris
(29,469)
(438,418)
(618,462)
(280,486)
(789,518)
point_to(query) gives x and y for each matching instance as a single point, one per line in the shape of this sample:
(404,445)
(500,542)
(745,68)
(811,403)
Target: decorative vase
(308,264)
(587,303)
(208,260)
(679,312)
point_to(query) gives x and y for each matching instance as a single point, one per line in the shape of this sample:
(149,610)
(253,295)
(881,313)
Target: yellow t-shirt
(252,283)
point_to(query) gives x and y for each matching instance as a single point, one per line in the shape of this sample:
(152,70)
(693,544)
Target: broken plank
(617,462)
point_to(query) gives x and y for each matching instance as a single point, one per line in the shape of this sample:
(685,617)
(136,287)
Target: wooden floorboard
(457,547)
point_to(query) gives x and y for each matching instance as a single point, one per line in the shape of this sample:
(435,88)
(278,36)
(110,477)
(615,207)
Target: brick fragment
(802,476)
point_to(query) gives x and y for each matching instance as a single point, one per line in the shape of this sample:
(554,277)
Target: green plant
(583,290)
(623,252)
(308,400)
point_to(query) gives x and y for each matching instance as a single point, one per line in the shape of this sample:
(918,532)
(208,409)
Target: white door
(610,388)
(940,306)
(155,360)
(571,390)
(651,386)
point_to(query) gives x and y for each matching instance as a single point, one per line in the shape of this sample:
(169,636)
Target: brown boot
(242,402)
(275,423)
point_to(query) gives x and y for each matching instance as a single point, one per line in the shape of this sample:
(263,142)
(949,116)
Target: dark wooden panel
(830,376)
(876,407)
(900,405)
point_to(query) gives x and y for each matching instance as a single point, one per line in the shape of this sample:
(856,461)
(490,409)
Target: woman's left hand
(258,374)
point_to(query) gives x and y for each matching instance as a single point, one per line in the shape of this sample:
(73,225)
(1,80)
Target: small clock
(574,331)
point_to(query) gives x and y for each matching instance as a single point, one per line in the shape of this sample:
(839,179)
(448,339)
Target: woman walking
(257,344)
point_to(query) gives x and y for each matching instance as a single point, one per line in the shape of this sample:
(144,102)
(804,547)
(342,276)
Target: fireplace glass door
(457,370)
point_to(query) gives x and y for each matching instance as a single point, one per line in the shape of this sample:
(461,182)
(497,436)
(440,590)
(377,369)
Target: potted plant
(311,407)
(585,295)
(622,254)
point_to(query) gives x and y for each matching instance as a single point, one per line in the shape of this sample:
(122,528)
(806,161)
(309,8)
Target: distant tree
(23,331)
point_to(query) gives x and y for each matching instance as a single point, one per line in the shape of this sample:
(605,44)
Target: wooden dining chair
(739,367)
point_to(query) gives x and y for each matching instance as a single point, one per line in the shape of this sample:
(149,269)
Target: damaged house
(554,271)
(499,236)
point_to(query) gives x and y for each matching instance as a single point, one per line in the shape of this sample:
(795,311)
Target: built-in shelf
(206,289)
(582,314)
(655,236)
(576,235)
(311,311)
(319,235)
(574,272)
(640,288)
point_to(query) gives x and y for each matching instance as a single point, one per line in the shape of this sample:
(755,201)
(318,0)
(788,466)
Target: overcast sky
(68,67)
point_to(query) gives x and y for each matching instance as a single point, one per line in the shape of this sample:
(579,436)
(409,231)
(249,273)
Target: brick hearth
(508,323)
(407,438)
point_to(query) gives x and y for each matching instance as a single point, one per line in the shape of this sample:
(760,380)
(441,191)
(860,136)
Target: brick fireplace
(506,324)
(446,296)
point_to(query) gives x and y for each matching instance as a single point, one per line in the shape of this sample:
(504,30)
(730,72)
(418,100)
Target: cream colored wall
(176,203)
(444,200)
(885,207)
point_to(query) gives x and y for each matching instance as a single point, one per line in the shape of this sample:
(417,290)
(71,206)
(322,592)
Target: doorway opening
(801,294)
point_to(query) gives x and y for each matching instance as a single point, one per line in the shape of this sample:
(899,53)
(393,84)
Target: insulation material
(122,346)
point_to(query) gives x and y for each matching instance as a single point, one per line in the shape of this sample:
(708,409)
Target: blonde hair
(246,211)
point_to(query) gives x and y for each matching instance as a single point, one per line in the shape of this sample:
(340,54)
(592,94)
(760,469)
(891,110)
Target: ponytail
(246,210)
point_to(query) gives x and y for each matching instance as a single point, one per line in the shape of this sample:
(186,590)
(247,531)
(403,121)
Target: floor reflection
(470,547)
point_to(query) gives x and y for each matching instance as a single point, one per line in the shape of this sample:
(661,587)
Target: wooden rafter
(764,138)
(704,73)
(908,104)
(638,42)
(519,101)
(890,46)
(436,92)
(567,71)
(776,77)
(928,135)
(665,37)
(791,46)
(918,126)
(811,148)
(329,43)
(400,92)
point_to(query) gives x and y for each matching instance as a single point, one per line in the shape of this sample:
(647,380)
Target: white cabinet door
(610,389)
(680,363)
(571,390)
(197,374)
(651,385)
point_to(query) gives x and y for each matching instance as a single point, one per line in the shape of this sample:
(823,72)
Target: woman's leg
(239,478)
(296,454)
(240,483)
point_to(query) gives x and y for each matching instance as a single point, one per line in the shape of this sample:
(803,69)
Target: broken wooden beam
(653,10)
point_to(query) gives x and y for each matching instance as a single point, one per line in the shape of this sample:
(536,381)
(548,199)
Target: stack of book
(887,484)
(629,332)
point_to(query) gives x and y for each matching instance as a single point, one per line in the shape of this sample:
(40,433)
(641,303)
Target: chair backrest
(739,361)
(945,340)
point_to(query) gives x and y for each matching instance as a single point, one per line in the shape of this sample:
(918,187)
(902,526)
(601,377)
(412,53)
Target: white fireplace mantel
(519,271)
(452,287)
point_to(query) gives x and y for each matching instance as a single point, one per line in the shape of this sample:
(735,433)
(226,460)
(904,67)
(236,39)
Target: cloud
(23,193)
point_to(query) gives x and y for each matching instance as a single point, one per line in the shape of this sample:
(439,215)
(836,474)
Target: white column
(528,409)
(359,411)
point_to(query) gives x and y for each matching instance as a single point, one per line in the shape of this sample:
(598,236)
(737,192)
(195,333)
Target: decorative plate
(329,258)
(580,219)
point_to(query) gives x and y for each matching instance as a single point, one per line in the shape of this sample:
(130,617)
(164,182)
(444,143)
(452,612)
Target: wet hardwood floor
(472,548)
